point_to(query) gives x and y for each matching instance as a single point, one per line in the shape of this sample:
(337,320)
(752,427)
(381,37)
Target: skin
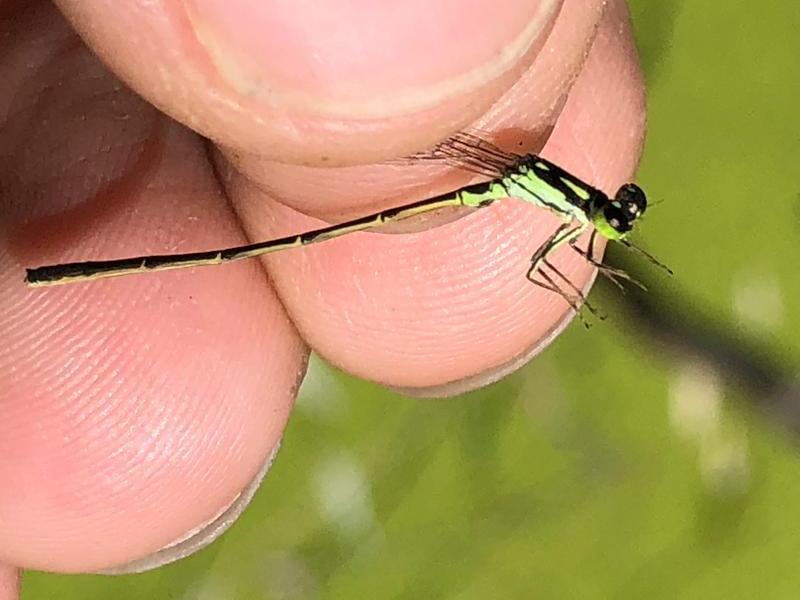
(133,411)
(9,583)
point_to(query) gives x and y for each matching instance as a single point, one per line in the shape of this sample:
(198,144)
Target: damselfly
(527,177)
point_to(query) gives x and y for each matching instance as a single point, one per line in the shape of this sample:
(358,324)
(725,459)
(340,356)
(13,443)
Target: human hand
(135,410)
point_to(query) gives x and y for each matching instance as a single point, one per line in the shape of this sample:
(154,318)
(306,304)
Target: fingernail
(202,535)
(352,58)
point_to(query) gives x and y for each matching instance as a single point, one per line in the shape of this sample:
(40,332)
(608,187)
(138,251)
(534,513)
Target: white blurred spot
(724,464)
(344,498)
(696,413)
(758,302)
(695,401)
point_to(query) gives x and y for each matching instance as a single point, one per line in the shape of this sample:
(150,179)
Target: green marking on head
(606,229)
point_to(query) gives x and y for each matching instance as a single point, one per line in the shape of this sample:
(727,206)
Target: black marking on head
(617,218)
(631,200)
(628,205)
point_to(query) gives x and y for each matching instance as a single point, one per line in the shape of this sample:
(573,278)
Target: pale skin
(133,410)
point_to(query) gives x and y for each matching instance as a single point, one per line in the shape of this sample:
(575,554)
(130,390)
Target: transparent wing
(467,151)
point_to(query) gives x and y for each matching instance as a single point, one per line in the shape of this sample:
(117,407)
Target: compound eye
(617,219)
(632,198)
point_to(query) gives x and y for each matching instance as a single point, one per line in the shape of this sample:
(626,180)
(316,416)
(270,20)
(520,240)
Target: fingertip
(340,83)
(202,535)
(9,582)
(364,59)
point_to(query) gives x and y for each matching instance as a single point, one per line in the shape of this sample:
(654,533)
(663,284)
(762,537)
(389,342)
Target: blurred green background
(666,468)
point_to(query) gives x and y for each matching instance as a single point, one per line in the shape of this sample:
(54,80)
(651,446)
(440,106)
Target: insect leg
(612,274)
(565,233)
(578,292)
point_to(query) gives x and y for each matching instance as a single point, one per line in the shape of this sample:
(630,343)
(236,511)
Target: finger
(9,583)
(319,83)
(133,412)
(525,113)
(451,305)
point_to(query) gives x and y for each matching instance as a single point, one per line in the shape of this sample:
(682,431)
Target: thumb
(337,82)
